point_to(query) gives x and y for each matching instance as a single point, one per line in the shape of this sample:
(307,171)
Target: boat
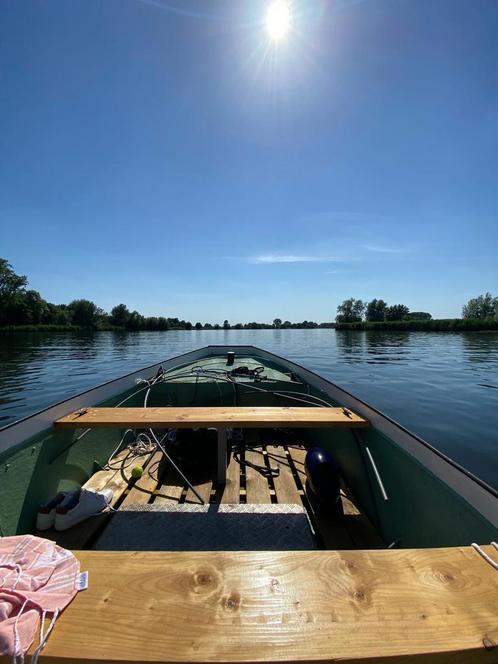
(220,548)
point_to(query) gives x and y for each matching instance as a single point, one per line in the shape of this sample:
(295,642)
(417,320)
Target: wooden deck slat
(231,490)
(285,484)
(203,488)
(142,491)
(171,488)
(257,487)
(208,417)
(419,605)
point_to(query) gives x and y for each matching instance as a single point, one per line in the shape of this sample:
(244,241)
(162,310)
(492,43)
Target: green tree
(84,313)
(226,325)
(120,315)
(12,289)
(162,323)
(34,306)
(151,323)
(418,315)
(277,322)
(484,306)
(136,322)
(350,311)
(376,310)
(397,312)
(10,282)
(198,326)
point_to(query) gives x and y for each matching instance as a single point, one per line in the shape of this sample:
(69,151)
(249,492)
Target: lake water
(442,386)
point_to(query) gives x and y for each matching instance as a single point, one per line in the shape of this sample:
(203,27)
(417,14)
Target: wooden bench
(419,605)
(219,417)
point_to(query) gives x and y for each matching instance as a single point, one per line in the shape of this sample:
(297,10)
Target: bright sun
(277,19)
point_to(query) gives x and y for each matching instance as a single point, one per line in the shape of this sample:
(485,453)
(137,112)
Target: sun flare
(277,20)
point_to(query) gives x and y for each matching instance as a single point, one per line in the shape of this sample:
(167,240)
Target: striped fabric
(37,578)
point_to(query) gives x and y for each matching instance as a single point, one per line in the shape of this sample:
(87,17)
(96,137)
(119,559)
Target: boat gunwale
(200,353)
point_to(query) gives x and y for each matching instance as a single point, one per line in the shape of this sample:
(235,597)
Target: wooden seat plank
(419,605)
(257,487)
(186,417)
(285,484)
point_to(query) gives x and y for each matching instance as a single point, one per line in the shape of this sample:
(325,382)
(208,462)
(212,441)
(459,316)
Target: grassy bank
(436,325)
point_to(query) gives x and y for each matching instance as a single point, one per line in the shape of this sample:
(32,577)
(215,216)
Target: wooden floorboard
(286,488)
(257,487)
(203,488)
(230,493)
(161,484)
(171,488)
(143,490)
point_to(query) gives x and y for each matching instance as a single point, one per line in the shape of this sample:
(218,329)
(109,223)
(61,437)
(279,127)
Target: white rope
(18,657)
(483,553)
(44,635)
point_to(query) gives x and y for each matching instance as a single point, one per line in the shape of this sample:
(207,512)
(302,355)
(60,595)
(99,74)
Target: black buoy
(322,473)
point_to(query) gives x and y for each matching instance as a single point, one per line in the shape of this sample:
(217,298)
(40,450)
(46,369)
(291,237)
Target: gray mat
(208,528)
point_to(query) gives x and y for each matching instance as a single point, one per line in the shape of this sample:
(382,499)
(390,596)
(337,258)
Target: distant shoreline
(434,325)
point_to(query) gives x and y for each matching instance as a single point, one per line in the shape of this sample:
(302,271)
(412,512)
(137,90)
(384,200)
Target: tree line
(479,312)
(20,307)
(354,311)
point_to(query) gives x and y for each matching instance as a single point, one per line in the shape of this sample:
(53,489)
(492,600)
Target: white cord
(483,553)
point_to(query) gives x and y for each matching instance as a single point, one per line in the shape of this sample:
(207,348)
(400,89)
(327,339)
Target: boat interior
(250,482)
(190,495)
(180,503)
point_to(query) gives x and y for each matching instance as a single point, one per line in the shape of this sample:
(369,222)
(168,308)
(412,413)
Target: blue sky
(164,154)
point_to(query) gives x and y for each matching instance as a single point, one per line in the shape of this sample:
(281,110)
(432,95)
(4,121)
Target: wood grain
(257,487)
(231,490)
(426,605)
(208,417)
(142,491)
(284,482)
(171,487)
(203,488)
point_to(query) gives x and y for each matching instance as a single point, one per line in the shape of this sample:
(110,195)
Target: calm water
(442,386)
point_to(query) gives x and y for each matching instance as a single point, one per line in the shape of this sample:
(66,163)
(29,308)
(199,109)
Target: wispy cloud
(292,258)
(384,250)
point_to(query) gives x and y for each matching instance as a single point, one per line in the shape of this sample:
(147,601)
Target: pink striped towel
(37,578)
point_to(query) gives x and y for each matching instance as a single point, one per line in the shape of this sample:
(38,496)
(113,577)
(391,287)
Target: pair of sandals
(71,507)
